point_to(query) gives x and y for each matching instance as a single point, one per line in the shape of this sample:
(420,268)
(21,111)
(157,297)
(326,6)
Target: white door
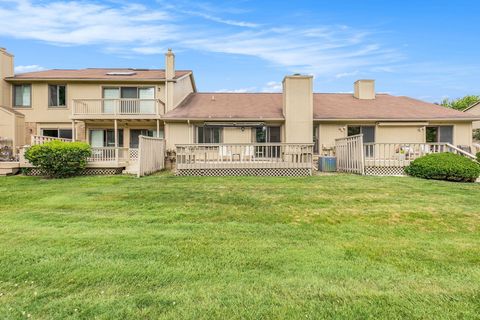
(110,95)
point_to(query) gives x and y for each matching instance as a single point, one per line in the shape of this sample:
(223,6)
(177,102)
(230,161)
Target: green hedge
(57,159)
(444,166)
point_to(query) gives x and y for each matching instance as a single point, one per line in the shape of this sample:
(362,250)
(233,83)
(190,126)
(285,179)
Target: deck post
(158,128)
(73,131)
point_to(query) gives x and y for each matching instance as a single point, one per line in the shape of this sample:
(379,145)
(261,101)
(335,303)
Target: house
(233,133)
(474,109)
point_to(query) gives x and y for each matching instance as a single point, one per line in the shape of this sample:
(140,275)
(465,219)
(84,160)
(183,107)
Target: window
(209,135)
(267,134)
(368,137)
(56,96)
(367,131)
(136,100)
(22,95)
(135,133)
(105,137)
(57,133)
(439,134)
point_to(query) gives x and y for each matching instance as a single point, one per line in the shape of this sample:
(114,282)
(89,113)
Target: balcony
(117,109)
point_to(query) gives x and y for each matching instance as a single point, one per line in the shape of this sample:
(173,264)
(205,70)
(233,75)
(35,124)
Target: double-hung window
(22,95)
(57,95)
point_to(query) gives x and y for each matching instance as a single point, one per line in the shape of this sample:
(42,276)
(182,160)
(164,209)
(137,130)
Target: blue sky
(424,49)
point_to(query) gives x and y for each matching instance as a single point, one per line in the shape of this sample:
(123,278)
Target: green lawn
(239,248)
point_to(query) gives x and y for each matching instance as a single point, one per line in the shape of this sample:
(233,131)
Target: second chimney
(364,89)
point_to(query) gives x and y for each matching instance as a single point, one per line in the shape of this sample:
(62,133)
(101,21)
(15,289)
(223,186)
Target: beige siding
(475,111)
(236,135)
(6,70)
(6,124)
(298,109)
(400,134)
(19,131)
(183,88)
(328,132)
(178,133)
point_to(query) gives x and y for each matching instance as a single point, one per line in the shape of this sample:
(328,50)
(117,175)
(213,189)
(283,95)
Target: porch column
(115,133)
(73,131)
(158,128)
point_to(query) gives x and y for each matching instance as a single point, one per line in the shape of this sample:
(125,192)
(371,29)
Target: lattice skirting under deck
(385,171)
(275,172)
(85,172)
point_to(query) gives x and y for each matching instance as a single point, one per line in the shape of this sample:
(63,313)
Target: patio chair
(248,153)
(225,153)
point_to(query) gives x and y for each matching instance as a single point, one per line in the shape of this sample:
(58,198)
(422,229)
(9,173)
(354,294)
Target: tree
(460,103)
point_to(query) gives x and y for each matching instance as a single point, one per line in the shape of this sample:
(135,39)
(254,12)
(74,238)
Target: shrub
(57,159)
(478,156)
(444,166)
(476,134)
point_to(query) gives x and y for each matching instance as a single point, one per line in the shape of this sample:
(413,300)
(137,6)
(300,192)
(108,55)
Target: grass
(239,248)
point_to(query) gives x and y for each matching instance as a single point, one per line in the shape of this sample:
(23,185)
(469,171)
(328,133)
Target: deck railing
(42,139)
(108,154)
(255,155)
(401,154)
(116,107)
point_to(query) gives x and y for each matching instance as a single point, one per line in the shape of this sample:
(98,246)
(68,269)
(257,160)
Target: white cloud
(132,29)
(30,68)
(272,86)
(346,74)
(240,90)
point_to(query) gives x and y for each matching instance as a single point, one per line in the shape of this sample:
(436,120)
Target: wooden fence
(349,151)
(151,155)
(42,139)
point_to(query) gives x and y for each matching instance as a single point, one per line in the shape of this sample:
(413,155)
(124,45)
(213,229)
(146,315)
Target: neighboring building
(112,107)
(474,109)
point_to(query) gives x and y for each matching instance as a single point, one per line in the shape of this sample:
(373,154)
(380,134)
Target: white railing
(349,153)
(255,155)
(42,139)
(108,154)
(402,154)
(116,107)
(151,155)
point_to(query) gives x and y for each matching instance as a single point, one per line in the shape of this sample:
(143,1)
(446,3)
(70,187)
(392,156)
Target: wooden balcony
(85,109)
(244,159)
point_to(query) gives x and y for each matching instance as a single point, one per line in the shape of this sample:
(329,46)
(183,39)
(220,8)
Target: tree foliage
(460,103)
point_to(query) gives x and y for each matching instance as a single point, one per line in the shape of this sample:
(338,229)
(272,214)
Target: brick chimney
(6,70)
(298,108)
(169,76)
(364,89)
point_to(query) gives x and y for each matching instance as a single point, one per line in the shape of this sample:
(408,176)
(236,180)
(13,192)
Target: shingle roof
(229,106)
(326,106)
(100,74)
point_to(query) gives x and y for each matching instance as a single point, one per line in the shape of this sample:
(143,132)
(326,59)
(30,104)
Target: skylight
(121,73)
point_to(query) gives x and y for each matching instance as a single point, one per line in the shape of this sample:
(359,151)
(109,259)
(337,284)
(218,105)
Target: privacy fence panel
(349,152)
(151,155)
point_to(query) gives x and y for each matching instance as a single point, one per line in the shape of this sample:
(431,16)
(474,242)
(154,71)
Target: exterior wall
(236,135)
(178,133)
(328,132)
(475,111)
(399,134)
(19,135)
(183,88)
(298,109)
(6,70)
(6,124)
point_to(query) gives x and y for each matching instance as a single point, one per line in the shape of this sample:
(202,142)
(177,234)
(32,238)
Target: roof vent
(120,73)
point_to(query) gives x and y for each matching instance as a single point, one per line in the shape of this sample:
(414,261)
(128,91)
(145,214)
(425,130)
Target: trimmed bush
(57,159)
(444,166)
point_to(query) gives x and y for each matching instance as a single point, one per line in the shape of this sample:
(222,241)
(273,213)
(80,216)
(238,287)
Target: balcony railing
(85,107)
